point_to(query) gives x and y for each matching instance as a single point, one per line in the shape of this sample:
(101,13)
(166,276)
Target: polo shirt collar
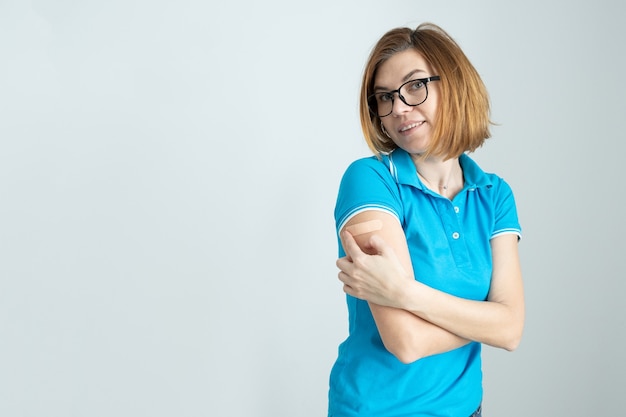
(475,177)
(403,170)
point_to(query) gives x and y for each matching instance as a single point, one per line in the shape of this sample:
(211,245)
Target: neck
(442,177)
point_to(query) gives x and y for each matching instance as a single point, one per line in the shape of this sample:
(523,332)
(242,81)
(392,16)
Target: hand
(378,278)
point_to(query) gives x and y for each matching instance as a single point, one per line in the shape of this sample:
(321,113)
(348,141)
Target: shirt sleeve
(506,220)
(366,185)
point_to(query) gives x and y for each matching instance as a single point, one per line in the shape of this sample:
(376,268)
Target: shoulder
(367,172)
(370,171)
(500,188)
(497,200)
(371,165)
(367,184)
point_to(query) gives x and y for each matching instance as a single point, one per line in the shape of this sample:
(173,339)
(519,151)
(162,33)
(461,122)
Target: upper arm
(390,231)
(506,281)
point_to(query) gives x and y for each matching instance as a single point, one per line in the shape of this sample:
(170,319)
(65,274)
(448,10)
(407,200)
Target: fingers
(350,247)
(346,281)
(348,290)
(346,269)
(343,263)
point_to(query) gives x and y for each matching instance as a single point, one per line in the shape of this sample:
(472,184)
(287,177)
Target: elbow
(407,357)
(513,338)
(512,345)
(511,331)
(404,352)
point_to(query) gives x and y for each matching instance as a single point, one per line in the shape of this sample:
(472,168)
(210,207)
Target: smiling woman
(412,132)
(439,274)
(462,122)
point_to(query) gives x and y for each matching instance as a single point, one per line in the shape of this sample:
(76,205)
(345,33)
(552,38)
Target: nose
(399,106)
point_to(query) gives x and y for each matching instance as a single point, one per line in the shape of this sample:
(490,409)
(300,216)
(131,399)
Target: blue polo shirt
(450,251)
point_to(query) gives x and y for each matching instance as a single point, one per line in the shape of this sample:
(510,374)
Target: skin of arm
(381,277)
(406,335)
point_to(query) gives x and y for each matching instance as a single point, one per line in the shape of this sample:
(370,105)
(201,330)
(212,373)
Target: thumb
(350,247)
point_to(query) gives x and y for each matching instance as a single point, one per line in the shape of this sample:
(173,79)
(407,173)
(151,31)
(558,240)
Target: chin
(414,147)
(413,150)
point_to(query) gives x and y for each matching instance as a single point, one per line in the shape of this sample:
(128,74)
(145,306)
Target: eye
(415,85)
(385,97)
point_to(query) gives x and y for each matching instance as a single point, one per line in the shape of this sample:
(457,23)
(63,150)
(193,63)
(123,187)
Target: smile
(411,126)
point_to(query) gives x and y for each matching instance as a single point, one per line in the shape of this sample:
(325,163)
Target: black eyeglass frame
(392,93)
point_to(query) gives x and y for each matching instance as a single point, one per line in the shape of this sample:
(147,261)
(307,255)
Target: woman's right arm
(405,335)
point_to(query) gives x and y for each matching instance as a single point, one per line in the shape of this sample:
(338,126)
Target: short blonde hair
(462,117)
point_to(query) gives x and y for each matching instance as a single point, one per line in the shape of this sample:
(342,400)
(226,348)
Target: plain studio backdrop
(168,172)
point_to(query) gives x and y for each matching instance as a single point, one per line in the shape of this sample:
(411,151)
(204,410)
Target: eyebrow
(406,78)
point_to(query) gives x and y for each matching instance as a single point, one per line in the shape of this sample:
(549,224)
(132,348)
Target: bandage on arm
(365,227)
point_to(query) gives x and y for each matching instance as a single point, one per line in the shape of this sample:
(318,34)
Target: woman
(429,256)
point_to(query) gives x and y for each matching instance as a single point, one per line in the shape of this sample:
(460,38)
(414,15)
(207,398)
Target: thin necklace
(442,187)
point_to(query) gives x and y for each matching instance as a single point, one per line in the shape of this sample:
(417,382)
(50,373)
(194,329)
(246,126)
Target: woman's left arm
(498,321)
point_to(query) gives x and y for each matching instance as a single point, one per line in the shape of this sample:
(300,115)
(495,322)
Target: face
(409,127)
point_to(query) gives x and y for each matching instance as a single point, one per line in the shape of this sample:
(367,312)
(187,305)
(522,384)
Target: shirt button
(455,235)
(456,210)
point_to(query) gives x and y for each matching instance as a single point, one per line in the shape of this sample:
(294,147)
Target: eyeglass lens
(411,93)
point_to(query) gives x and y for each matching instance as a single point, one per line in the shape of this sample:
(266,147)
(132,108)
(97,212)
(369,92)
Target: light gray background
(168,173)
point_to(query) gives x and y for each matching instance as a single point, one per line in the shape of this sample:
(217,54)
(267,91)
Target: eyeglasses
(412,93)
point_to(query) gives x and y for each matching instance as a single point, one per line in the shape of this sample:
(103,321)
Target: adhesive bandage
(365,227)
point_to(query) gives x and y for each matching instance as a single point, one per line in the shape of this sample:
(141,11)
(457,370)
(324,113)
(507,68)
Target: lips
(410,126)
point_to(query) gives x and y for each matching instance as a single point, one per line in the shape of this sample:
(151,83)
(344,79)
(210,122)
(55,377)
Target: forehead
(401,67)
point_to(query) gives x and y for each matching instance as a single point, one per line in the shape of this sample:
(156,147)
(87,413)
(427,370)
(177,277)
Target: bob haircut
(462,117)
